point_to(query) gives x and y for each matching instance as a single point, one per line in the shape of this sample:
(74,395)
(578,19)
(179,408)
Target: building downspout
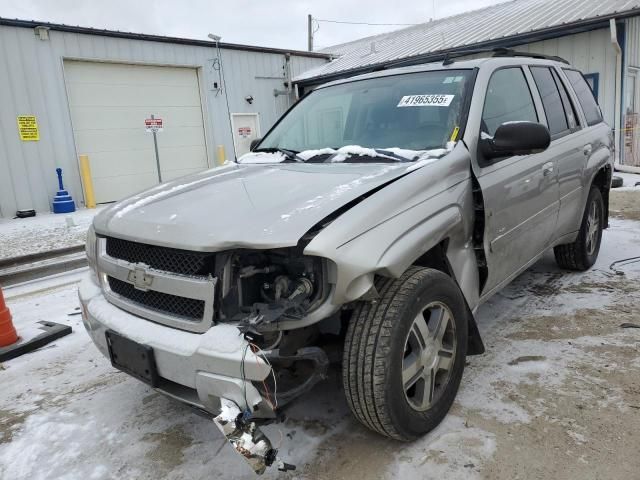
(618,86)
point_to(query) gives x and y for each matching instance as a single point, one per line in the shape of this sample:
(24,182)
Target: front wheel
(583,252)
(404,354)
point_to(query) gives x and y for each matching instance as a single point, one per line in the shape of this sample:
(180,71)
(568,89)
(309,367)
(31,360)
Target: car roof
(485,62)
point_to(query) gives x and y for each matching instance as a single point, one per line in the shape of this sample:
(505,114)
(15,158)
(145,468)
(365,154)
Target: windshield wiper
(393,155)
(290,154)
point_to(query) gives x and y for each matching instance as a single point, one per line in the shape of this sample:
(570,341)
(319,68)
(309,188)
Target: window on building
(508,100)
(593,80)
(551,101)
(585,97)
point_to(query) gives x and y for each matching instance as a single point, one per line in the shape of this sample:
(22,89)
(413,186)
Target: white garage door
(109,103)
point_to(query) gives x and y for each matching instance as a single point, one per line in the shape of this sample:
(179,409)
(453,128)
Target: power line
(366,23)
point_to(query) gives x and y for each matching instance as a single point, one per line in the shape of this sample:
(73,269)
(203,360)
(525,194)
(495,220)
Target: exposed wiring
(273,373)
(367,23)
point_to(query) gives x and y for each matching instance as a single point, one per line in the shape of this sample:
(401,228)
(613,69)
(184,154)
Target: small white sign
(153,124)
(436,100)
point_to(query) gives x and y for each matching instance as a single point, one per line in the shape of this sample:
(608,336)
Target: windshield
(393,118)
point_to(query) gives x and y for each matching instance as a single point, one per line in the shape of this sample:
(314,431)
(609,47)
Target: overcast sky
(270,23)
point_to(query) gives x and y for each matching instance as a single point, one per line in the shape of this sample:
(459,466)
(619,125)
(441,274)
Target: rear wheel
(404,355)
(583,253)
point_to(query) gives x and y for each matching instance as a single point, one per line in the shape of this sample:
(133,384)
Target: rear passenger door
(567,148)
(520,193)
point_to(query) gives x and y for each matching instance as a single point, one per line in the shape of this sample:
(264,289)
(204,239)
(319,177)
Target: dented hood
(242,206)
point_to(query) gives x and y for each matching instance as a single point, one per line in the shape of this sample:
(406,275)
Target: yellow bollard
(87,182)
(222,156)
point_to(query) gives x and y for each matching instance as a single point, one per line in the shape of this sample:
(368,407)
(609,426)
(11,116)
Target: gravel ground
(557,395)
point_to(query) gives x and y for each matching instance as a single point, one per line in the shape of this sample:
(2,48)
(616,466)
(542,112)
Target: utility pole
(310,32)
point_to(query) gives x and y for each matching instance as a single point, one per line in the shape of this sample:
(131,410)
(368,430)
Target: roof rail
(498,52)
(507,52)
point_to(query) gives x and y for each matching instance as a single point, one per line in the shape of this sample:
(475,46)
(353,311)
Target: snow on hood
(262,157)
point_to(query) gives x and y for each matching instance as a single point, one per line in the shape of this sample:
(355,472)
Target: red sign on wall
(244,132)
(153,124)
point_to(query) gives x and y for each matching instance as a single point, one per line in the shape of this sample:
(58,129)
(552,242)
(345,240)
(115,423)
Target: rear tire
(404,354)
(583,253)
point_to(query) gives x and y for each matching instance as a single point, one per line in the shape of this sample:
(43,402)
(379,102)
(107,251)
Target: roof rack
(507,52)
(499,52)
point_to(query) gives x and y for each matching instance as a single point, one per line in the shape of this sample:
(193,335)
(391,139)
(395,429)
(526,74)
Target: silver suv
(371,221)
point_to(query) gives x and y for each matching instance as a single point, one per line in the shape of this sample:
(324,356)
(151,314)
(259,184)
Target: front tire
(404,354)
(583,253)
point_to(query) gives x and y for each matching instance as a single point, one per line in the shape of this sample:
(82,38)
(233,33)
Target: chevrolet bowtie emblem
(140,278)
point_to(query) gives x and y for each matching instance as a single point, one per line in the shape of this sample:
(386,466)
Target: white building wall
(32,83)
(632,43)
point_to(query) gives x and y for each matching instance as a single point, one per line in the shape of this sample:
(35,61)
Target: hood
(242,206)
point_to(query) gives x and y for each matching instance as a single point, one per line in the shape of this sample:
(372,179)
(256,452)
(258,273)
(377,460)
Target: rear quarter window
(585,96)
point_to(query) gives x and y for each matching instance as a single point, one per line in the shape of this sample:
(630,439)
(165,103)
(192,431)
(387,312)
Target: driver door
(521,192)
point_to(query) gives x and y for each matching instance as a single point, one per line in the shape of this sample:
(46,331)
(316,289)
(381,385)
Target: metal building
(67,91)
(601,38)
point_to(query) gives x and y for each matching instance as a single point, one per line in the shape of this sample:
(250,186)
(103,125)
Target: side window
(551,100)
(585,96)
(508,100)
(569,108)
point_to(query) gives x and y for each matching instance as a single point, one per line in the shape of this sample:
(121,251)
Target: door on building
(246,127)
(109,103)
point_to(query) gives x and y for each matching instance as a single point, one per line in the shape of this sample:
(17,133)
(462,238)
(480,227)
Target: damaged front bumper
(212,371)
(198,369)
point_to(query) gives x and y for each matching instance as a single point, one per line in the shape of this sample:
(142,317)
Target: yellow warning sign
(28,128)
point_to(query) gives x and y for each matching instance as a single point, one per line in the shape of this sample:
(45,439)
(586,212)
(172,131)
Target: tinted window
(508,100)
(585,96)
(569,109)
(551,100)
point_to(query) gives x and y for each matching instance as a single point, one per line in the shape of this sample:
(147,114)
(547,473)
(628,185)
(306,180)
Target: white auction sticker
(425,100)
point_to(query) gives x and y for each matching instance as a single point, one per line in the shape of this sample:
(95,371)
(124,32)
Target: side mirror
(516,138)
(254,143)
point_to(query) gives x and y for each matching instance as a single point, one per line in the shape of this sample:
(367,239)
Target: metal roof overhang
(155,38)
(512,41)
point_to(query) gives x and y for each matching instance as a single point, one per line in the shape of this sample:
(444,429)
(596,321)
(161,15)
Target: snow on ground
(629,180)
(555,396)
(44,232)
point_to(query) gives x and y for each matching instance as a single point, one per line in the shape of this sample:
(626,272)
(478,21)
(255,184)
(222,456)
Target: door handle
(587,149)
(547,169)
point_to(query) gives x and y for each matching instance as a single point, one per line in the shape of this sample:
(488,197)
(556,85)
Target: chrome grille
(165,285)
(167,259)
(162,302)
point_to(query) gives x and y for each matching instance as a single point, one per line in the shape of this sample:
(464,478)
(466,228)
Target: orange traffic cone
(8,334)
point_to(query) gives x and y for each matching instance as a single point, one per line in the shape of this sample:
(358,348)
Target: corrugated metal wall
(632,44)
(32,83)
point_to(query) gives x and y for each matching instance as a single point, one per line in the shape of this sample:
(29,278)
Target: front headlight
(90,249)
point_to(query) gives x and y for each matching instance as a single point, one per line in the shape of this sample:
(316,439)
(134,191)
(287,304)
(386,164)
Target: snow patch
(262,157)
(307,154)
(454,450)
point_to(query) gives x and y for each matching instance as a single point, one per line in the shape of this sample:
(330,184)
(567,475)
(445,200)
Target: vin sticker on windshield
(425,100)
